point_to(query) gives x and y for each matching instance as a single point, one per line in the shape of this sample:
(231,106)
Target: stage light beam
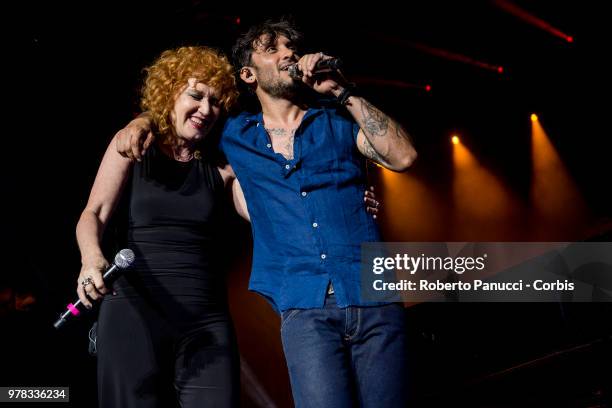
(483,208)
(558,209)
(524,15)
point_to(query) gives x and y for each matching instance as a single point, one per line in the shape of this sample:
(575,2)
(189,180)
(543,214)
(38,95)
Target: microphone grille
(335,63)
(124,258)
(294,71)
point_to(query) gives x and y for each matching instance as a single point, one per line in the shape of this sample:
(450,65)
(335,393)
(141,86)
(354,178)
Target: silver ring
(86,281)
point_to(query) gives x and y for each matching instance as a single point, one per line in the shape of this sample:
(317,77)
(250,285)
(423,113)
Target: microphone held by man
(322,66)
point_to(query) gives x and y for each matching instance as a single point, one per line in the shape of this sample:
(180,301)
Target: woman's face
(196,111)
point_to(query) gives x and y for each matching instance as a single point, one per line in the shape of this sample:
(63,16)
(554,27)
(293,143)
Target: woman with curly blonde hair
(165,335)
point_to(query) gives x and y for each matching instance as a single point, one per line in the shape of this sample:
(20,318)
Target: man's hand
(371,203)
(134,139)
(328,83)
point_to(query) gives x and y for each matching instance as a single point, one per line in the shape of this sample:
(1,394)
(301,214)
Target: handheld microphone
(123,260)
(324,65)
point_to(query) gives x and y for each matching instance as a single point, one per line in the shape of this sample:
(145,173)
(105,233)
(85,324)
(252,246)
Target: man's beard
(277,88)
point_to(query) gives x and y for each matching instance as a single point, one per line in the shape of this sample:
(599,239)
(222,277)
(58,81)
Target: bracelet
(349,90)
(344,95)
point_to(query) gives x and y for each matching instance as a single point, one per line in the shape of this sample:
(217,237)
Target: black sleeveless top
(175,212)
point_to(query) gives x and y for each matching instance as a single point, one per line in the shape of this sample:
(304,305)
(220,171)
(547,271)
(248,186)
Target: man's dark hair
(272,29)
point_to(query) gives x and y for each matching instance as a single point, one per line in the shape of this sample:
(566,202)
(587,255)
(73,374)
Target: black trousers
(149,358)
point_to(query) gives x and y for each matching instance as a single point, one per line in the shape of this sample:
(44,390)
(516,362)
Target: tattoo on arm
(374,121)
(382,135)
(370,153)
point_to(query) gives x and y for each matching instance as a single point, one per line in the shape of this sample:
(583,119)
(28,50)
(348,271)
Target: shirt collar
(253,119)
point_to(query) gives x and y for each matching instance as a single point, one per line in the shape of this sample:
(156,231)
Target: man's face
(270,61)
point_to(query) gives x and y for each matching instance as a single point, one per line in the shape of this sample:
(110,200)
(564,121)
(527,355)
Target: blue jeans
(355,356)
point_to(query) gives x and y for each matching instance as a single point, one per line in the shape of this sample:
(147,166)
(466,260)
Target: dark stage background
(72,76)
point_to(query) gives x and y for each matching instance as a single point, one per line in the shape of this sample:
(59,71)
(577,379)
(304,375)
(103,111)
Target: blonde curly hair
(168,75)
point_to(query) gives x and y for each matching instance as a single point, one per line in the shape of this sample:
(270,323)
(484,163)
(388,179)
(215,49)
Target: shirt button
(269,145)
(304,194)
(315,225)
(287,166)
(257,124)
(323,256)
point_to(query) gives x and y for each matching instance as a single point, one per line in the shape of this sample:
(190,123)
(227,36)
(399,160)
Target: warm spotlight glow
(534,117)
(556,201)
(500,70)
(483,207)
(427,88)
(455,140)
(412,208)
(570,39)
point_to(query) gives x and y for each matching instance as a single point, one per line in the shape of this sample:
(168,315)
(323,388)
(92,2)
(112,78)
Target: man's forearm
(387,142)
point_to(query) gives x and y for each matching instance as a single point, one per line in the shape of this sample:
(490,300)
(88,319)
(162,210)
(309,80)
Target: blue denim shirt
(307,214)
